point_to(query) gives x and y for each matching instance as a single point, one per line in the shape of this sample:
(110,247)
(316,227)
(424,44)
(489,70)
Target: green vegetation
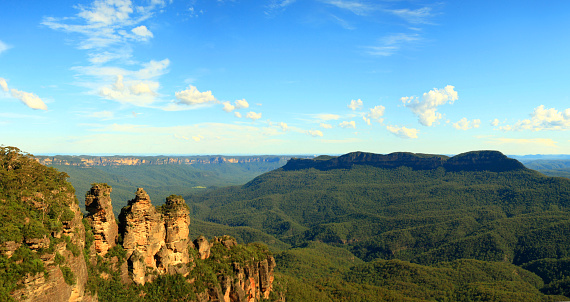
(353,232)
(34,201)
(160,181)
(434,223)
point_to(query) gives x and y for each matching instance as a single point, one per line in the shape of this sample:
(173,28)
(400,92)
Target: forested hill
(493,161)
(461,228)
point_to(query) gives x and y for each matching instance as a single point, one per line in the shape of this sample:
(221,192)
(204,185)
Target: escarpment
(493,161)
(41,233)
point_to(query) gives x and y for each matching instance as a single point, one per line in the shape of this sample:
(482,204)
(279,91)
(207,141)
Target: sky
(236,77)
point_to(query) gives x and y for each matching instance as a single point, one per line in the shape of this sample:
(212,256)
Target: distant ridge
(486,160)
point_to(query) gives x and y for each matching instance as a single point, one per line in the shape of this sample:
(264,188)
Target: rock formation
(43,244)
(53,285)
(203,247)
(174,254)
(493,161)
(252,280)
(101,218)
(143,233)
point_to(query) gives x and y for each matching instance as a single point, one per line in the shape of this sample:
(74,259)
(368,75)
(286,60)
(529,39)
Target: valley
(478,226)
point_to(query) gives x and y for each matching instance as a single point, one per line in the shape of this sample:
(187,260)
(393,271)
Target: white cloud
(105,22)
(495,122)
(3,47)
(542,119)
(237,114)
(356,7)
(241,104)
(102,115)
(389,45)
(283,126)
(417,16)
(315,133)
(197,138)
(143,88)
(276,5)
(355,104)
(403,132)
(366,120)
(192,96)
(3,84)
(142,32)
(465,124)
(228,107)
(31,100)
(326,126)
(135,92)
(152,69)
(326,116)
(376,113)
(104,57)
(253,116)
(347,124)
(426,109)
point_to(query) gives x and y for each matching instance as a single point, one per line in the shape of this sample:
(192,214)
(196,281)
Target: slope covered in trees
(427,211)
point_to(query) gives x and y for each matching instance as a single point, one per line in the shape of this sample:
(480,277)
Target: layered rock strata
(174,254)
(101,218)
(53,285)
(156,242)
(143,233)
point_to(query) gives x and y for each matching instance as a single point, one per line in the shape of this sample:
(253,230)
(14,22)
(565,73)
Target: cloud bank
(426,108)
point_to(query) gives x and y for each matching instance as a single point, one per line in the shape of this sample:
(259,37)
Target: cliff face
(87,161)
(143,235)
(43,240)
(41,233)
(101,218)
(156,243)
(471,161)
(174,253)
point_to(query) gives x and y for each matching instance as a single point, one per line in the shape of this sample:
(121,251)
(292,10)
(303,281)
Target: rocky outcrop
(174,254)
(471,161)
(203,247)
(101,218)
(493,161)
(57,284)
(143,233)
(252,280)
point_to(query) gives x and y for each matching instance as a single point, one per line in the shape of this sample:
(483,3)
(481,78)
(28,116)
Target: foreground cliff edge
(49,252)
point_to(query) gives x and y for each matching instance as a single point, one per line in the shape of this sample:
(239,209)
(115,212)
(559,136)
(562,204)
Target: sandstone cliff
(41,233)
(87,161)
(143,233)
(50,252)
(493,161)
(101,218)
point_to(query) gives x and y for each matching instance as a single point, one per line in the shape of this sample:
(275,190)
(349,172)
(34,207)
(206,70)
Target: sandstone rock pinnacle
(143,232)
(101,217)
(176,221)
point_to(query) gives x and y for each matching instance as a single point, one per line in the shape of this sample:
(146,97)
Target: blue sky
(284,76)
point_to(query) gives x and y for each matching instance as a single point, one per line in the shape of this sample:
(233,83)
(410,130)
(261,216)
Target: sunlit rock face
(176,243)
(101,218)
(142,227)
